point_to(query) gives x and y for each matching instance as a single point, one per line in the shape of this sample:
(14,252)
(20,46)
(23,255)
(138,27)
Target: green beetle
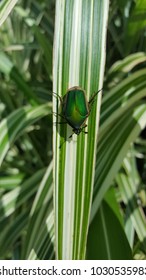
(76,109)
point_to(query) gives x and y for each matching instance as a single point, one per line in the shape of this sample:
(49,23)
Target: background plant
(26,188)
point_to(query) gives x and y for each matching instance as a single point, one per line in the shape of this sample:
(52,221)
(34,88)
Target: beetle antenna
(93,96)
(56,95)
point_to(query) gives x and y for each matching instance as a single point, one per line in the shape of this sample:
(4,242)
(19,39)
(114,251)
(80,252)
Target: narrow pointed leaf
(40,233)
(6,6)
(107,239)
(113,148)
(128,185)
(15,123)
(79,57)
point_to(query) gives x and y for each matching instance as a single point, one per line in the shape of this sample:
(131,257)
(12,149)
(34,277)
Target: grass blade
(16,123)
(79,57)
(5,9)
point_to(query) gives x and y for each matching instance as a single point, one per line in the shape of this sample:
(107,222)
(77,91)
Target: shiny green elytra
(76,108)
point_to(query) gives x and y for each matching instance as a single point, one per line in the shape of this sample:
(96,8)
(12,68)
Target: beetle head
(77,130)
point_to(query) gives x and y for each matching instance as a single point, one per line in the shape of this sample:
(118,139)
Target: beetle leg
(71,135)
(84,126)
(62,144)
(57,114)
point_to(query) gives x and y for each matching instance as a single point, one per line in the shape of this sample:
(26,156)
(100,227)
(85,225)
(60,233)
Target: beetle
(75,108)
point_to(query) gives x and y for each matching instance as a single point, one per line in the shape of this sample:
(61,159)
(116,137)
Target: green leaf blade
(79,57)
